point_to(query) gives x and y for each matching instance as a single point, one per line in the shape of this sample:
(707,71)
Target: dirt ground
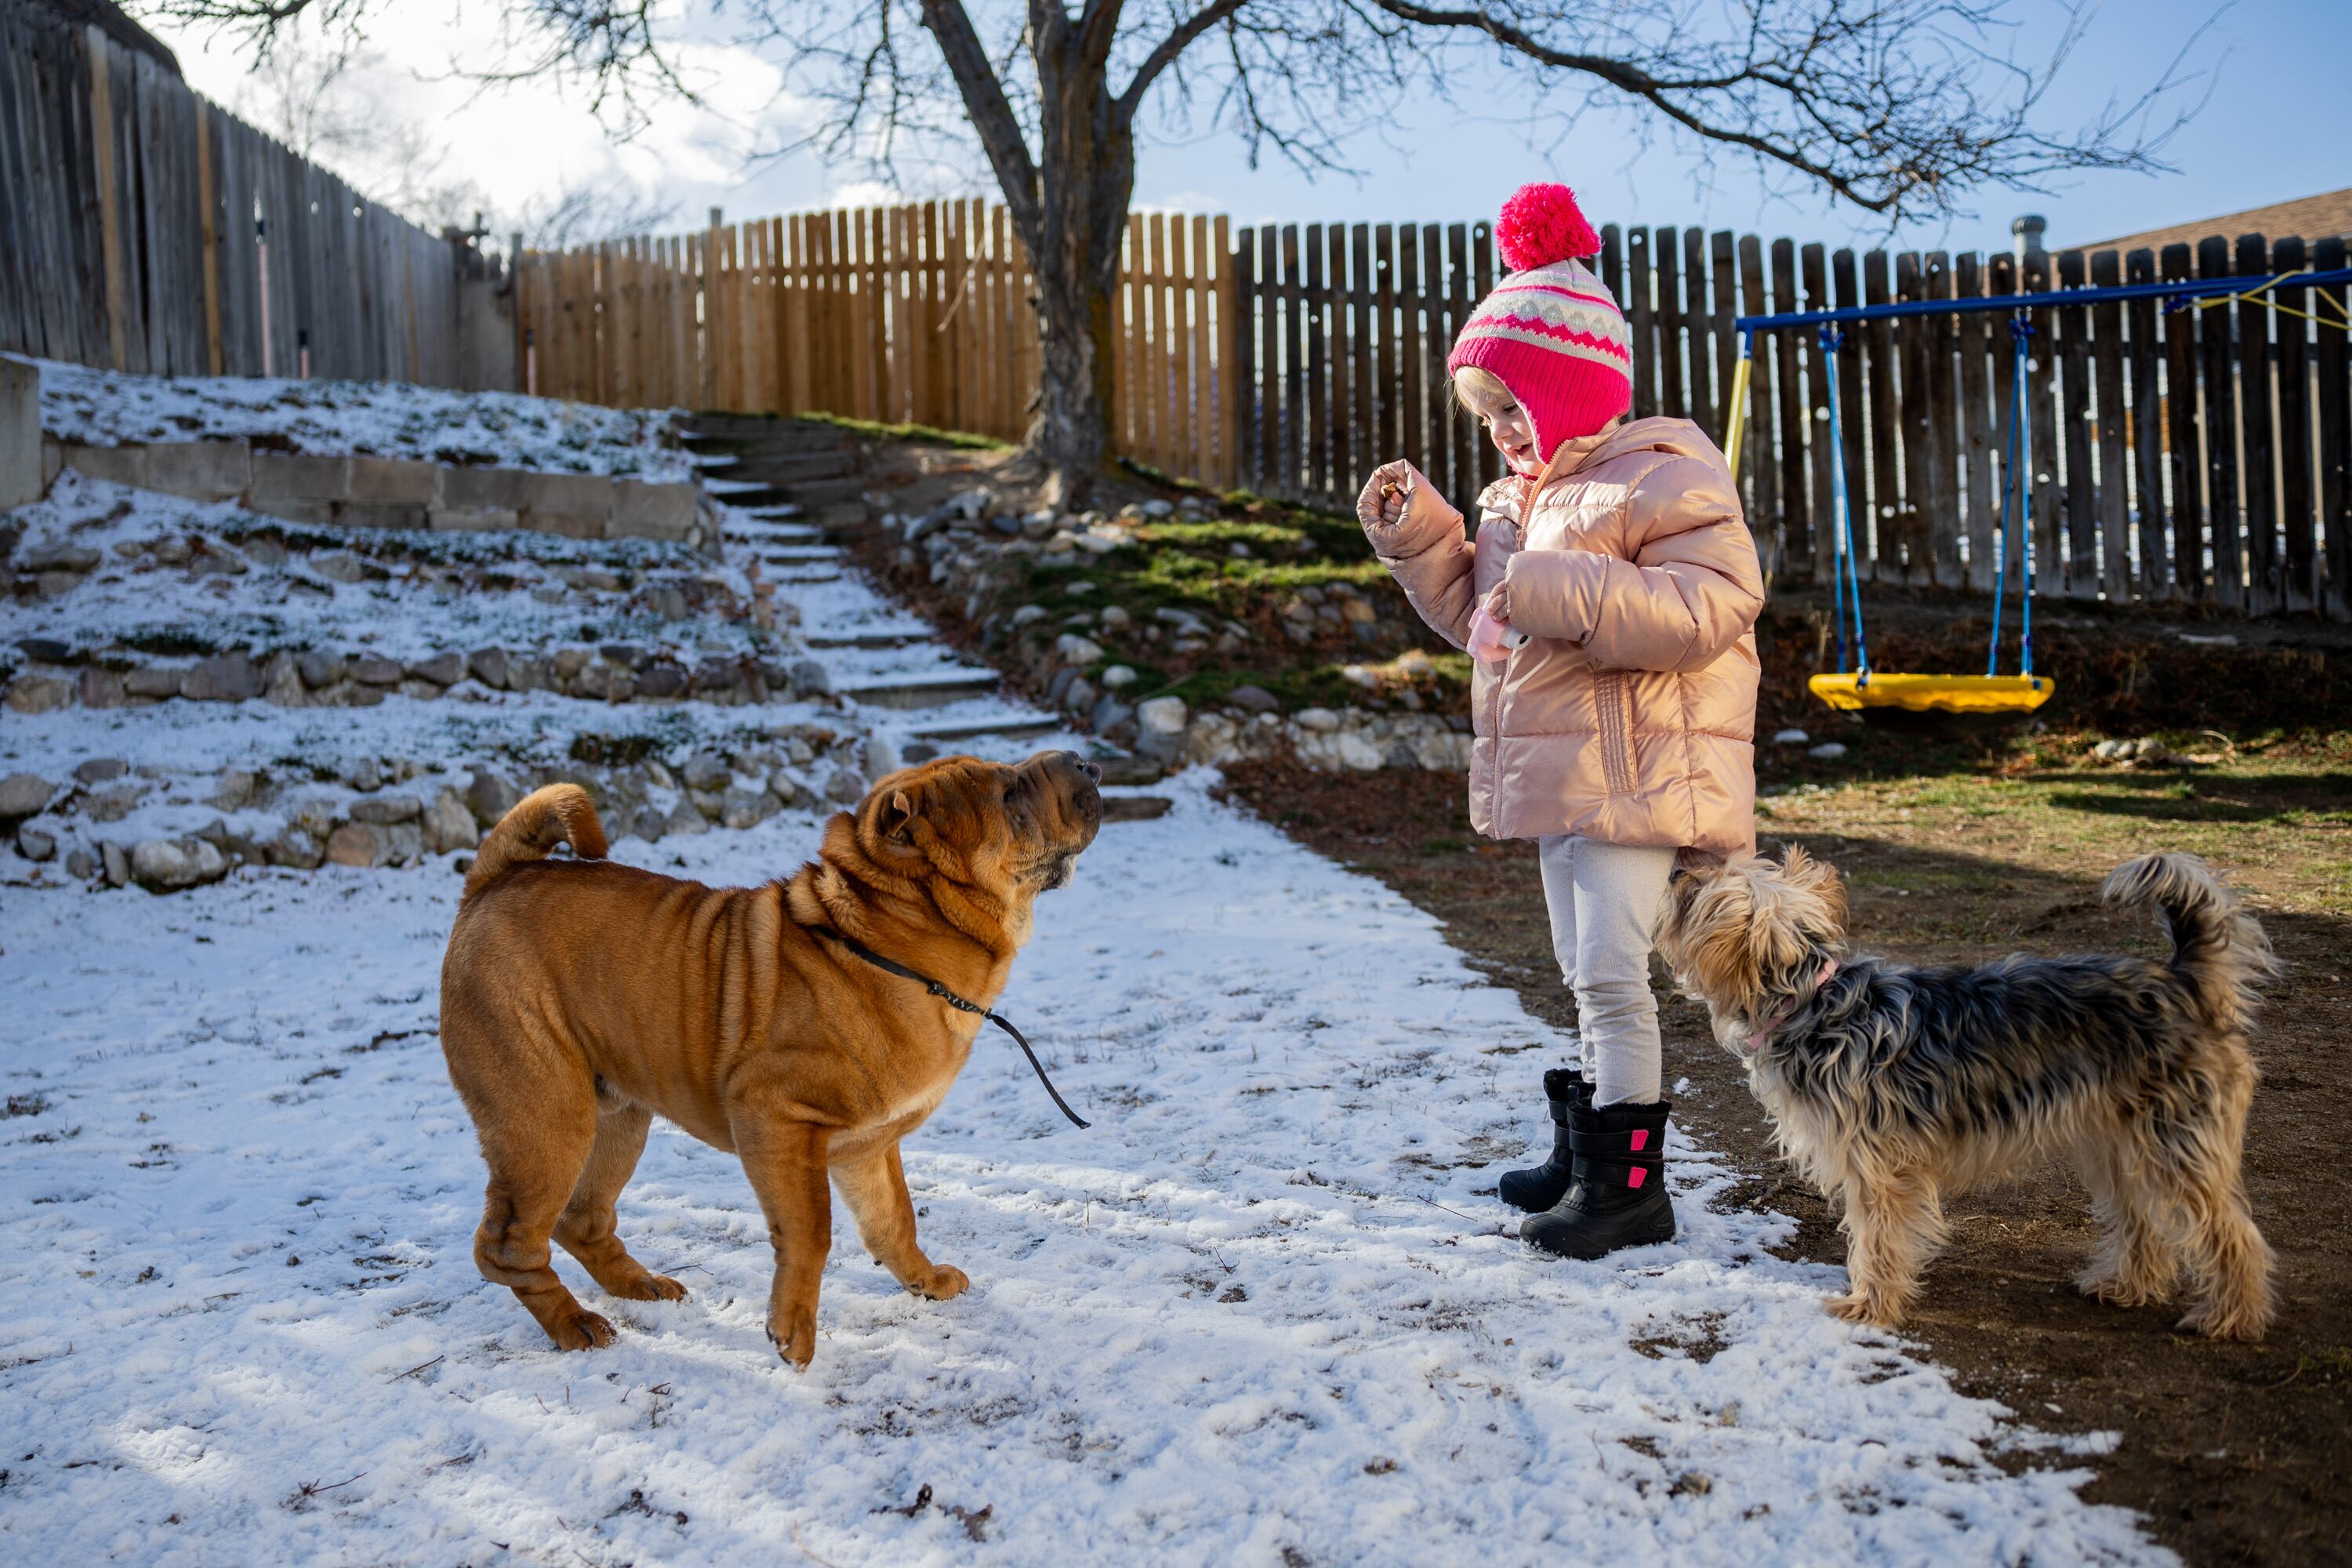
(2236,1454)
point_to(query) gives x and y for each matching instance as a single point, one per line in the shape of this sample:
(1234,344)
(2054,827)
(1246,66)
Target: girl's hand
(1384,494)
(1499,605)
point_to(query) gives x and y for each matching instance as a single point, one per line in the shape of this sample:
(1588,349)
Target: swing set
(1990,698)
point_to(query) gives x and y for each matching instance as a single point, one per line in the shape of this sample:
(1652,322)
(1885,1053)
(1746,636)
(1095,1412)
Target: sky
(2268,72)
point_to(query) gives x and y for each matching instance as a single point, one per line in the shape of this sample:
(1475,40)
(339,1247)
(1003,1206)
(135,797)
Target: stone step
(790,467)
(935,692)
(796,554)
(1009,728)
(820,493)
(759,531)
(806,576)
(729,432)
(868,640)
(750,495)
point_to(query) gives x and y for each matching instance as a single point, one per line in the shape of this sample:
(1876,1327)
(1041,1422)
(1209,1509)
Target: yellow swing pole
(1739,425)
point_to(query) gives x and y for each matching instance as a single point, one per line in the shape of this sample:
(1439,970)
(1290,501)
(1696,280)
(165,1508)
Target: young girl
(1612,589)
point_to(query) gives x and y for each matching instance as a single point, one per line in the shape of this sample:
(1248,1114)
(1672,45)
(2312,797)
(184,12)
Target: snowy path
(1255,1316)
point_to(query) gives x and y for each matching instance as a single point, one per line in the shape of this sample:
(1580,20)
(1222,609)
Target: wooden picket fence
(133,214)
(916,314)
(2198,455)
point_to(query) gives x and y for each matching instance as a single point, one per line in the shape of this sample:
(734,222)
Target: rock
(45,650)
(1076,588)
(1827,752)
(115,803)
(489,666)
(441,670)
(1118,677)
(319,669)
(685,819)
(339,566)
(740,807)
(1254,700)
(358,844)
(96,771)
(1116,619)
(703,770)
(662,682)
(918,752)
(1155,508)
(282,685)
(2148,749)
(73,558)
(882,756)
(80,864)
(24,795)
(649,824)
(38,693)
(1060,684)
(98,688)
(1318,721)
(1080,697)
(375,669)
(1791,738)
(1110,713)
(808,677)
(296,846)
(571,661)
(36,844)
(1078,652)
(1186,623)
(232,790)
(1028,614)
(167,865)
(153,683)
(117,863)
(845,788)
(405,843)
(489,797)
(223,677)
(1005,524)
(1162,716)
(384,810)
(449,825)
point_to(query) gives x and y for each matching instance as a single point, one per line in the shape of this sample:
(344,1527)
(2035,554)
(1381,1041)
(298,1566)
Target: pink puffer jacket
(1630,715)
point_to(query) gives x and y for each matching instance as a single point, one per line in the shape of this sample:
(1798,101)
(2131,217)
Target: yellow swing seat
(1965,694)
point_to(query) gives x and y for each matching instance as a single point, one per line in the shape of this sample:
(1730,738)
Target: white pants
(1604,901)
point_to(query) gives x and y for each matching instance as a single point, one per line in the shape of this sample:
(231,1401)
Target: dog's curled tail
(2218,948)
(559,814)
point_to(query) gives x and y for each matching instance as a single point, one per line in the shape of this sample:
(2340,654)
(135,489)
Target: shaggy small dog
(1889,1085)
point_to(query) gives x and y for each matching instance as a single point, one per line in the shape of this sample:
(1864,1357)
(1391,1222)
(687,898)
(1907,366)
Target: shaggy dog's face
(1747,935)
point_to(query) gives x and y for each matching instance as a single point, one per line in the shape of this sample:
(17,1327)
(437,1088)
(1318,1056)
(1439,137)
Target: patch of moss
(929,434)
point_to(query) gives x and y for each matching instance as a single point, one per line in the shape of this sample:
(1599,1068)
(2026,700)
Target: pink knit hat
(1551,329)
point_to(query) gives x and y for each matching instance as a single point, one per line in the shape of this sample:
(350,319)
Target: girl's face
(1508,425)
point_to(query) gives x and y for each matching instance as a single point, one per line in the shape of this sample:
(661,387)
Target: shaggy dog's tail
(2217,948)
(559,814)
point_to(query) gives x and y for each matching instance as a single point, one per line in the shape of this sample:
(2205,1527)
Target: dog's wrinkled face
(1743,936)
(1004,830)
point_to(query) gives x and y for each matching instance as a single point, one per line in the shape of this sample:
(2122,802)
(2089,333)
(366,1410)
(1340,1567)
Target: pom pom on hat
(1541,225)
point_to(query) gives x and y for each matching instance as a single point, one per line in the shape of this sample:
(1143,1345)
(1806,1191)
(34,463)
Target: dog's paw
(944,1282)
(2115,1293)
(579,1329)
(793,1333)
(1860,1308)
(657,1288)
(2223,1323)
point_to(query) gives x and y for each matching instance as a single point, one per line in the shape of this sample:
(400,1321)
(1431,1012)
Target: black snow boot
(1618,1197)
(1539,1187)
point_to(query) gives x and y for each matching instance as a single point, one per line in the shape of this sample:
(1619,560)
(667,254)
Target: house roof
(109,19)
(2324,216)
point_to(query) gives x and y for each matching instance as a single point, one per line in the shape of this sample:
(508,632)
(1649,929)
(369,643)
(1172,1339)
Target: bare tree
(1900,107)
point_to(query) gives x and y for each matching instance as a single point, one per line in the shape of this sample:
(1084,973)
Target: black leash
(953,1000)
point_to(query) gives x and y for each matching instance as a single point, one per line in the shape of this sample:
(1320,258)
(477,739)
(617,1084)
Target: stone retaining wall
(394,492)
(616,672)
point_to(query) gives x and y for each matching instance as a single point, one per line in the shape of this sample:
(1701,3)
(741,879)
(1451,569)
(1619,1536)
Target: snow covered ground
(384,419)
(1259,1314)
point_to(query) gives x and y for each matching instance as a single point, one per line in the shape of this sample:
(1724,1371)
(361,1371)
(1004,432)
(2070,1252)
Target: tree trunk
(1086,176)
(1069,436)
